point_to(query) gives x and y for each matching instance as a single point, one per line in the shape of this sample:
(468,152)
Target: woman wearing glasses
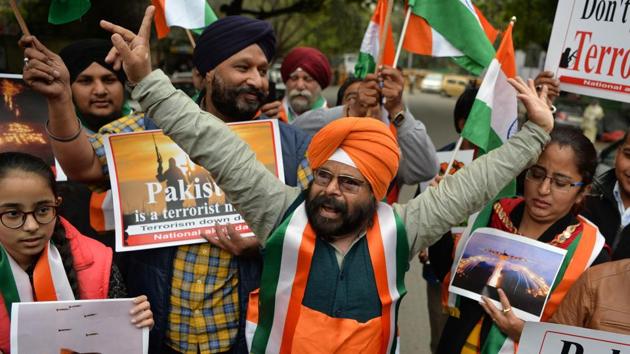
(42,256)
(548,212)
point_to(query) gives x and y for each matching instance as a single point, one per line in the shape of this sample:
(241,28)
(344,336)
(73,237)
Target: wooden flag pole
(383,39)
(19,18)
(191,38)
(402,36)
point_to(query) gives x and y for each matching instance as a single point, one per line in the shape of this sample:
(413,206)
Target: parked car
(454,85)
(432,83)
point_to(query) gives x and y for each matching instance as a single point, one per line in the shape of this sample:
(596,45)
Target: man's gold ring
(507,310)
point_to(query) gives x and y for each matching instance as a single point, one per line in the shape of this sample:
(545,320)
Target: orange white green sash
(288,253)
(50,282)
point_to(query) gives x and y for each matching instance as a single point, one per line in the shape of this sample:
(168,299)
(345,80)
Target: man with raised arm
(334,256)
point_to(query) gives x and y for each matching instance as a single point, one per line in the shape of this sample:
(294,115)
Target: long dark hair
(17,161)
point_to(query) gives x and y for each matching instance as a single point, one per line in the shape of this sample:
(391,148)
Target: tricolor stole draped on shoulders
(273,319)
(583,247)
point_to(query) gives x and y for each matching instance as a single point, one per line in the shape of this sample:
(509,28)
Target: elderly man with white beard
(305,72)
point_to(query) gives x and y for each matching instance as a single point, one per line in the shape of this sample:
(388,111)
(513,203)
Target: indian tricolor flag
(492,119)
(190,14)
(370,46)
(451,28)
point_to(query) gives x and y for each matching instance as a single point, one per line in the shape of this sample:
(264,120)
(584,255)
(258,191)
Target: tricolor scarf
(287,258)
(582,241)
(50,282)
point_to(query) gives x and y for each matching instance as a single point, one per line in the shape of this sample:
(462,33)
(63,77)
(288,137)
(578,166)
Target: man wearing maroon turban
(305,72)
(334,256)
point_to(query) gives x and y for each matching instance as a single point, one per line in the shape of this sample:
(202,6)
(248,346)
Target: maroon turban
(310,60)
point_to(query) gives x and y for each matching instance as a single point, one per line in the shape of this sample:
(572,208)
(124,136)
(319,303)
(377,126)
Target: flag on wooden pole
(189,14)
(493,117)
(370,46)
(451,28)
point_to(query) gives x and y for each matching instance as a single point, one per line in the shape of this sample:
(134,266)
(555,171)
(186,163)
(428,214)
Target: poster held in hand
(589,50)
(523,268)
(162,199)
(81,326)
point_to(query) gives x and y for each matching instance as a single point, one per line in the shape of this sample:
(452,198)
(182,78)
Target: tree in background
(534,19)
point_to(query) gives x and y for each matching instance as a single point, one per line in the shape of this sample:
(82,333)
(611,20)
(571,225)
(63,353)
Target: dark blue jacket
(150,272)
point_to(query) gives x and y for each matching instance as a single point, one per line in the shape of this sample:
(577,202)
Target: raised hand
(131,50)
(546,78)
(538,110)
(392,90)
(44,71)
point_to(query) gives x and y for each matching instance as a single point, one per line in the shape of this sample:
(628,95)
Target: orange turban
(369,143)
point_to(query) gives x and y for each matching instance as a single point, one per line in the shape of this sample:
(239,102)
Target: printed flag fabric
(451,28)
(493,118)
(370,46)
(190,14)
(64,11)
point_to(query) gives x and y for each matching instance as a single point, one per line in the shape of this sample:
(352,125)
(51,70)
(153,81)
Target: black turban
(228,36)
(79,55)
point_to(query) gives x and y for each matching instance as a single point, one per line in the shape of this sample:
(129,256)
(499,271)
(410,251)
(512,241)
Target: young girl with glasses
(554,189)
(42,256)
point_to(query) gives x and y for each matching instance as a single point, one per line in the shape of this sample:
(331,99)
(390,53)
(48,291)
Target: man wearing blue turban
(202,290)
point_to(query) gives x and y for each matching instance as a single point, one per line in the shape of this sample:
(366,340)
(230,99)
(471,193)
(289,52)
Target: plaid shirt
(204,307)
(133,122)
(304,174)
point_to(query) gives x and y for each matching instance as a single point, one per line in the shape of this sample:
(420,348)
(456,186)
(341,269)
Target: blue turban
(228,36)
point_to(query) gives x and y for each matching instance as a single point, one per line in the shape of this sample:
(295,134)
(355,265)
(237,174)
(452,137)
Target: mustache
(304,93)
(329,202)
(260,95)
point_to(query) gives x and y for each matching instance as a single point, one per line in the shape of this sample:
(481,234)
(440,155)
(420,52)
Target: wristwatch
(398,119)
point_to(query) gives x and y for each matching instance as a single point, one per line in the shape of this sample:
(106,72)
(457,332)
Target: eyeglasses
(539,175)
(14,219)
(347,184)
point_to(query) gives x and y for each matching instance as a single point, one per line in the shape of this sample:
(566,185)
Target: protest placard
(523,268)
(549,338)
(161,198)
(82,326)
(589,49)
(23,116)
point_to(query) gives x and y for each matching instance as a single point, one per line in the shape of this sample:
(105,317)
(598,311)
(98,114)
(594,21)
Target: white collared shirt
(623,211)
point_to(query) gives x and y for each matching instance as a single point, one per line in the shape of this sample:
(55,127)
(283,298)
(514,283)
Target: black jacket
(600,207)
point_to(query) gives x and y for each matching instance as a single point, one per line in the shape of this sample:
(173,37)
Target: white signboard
(589,49)
(548,338)
(83,326)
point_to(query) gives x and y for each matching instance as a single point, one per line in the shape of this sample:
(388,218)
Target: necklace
(558,240)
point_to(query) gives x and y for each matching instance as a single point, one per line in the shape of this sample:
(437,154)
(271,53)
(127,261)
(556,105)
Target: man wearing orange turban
(335,257)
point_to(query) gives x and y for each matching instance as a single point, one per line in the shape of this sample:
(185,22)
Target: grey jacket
(262,199)
(418,161)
